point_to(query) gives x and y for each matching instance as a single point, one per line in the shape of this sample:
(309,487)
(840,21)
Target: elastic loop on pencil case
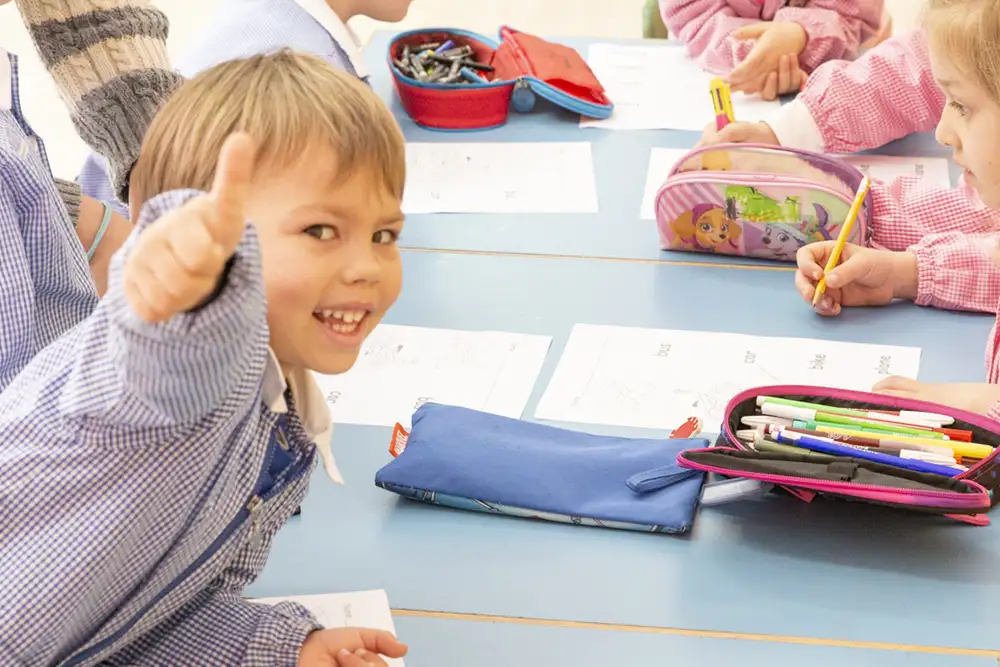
(105,221)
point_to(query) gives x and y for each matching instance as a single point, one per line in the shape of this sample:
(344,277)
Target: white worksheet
(659,87)
(365,609)
(933,171)
(657,378)
(661,161)
(402,367)
(500,177)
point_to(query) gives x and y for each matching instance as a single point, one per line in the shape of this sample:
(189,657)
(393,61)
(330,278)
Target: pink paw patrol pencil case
(757,201)
(964,495)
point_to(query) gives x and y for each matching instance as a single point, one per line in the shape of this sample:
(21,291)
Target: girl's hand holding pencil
(865,277)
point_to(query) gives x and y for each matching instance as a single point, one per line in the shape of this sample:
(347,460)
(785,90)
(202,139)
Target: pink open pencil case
(757,201)
(966,497)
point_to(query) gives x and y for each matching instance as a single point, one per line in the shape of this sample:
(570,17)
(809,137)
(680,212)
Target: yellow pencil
(845,232)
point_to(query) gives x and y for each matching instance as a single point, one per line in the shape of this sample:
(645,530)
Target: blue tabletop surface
(777,566)
(621,160)
(460,643)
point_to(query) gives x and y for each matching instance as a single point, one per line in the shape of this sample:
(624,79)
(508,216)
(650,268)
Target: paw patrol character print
(779,242)
(707,228)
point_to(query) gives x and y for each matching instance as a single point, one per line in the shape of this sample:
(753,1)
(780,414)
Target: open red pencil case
(522,64)
(965,497)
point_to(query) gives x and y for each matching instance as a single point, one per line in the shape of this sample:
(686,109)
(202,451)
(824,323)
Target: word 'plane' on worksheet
(654,378)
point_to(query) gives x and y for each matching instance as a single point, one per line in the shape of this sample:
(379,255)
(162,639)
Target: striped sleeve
(109,61)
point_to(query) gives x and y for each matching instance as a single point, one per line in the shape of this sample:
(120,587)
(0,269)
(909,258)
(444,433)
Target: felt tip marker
(868,442)
(928,418)
(829,447)
(940,459)
(970,450)
(808,414)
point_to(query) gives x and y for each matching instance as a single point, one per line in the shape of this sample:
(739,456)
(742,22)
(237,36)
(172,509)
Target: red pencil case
(965,497)
(523,66)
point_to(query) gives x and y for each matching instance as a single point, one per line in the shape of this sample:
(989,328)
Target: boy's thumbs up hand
(177,262)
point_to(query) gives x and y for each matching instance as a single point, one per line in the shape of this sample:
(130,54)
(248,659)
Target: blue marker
(444,47)
(469,74)
(837,449)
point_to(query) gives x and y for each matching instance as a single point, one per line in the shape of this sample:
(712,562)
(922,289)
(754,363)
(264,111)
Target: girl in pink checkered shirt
(961,39)
(768,46)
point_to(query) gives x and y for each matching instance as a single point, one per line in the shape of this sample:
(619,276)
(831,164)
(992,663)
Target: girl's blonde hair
(289,103)
(967,32)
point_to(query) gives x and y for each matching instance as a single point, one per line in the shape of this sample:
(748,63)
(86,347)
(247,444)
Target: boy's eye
(322,232)
(384,237)
(959,107)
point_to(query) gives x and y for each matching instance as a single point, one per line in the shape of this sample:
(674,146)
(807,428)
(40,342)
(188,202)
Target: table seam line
(692,632)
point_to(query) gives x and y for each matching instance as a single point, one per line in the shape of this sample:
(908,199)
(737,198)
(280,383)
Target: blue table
(621,160)
(438,642)
(775,567)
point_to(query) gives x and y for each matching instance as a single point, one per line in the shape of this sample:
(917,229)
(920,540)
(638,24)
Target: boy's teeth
(347,316)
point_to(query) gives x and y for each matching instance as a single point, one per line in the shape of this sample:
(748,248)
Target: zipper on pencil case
(751,179)
(952,501)
(890,402)
(249,511)
(806,156)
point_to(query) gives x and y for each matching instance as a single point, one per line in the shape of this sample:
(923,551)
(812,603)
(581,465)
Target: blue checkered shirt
(142,478)
(45,283)
(240,28)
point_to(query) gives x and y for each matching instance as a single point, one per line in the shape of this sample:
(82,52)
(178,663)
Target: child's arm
(956,271)
(852,106)
(705,27)
(179,325)
(110,63)
(835,28)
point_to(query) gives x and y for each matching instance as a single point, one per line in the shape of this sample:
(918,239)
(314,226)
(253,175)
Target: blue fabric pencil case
(465,459)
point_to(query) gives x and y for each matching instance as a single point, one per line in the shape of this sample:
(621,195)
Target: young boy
(153,451)
(242,28)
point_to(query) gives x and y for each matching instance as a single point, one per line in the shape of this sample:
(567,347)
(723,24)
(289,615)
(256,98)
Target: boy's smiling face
(331,263)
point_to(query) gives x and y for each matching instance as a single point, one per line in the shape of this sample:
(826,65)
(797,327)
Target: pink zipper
(888,494)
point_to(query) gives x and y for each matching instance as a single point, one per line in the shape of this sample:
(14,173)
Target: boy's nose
(363,267)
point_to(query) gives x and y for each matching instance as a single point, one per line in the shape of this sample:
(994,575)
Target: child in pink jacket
(886,94)
(748,40)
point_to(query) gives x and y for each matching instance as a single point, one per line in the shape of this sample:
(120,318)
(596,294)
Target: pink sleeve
(705,27)
(886,94)
(836,28)
(994,412)
(956,272)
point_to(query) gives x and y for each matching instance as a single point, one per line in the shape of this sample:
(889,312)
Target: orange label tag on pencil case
(399,438)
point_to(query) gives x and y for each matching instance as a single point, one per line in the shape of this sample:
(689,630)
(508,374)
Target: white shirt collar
(339,31)
(6,82)
(310,404)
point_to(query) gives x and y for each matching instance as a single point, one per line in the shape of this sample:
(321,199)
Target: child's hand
(178,260)
(349,647)
(788,78)
(738,133)
(773,39)
(976,397)
(864,277)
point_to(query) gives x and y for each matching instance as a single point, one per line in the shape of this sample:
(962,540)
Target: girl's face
(970,125)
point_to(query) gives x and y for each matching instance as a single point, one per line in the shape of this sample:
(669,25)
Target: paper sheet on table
(402,367)
(364,609)
(500,177)
(661,161)
(932,171)
(657,378)
(659,87)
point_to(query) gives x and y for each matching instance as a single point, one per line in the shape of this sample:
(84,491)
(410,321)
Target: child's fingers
(382,642)
(771,87)
(808,258)
(804,286)
(193,246)
(784,73)
(359,658)
(752,31)
(897,383)
(828,304)
(174,287)
(231,189)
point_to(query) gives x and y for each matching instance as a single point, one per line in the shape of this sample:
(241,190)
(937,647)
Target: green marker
(822,416)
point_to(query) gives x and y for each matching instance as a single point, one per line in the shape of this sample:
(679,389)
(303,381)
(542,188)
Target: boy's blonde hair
(289,103)
(968,32)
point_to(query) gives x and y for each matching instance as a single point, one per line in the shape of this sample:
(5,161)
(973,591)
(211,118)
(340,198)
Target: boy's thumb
(753,31)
